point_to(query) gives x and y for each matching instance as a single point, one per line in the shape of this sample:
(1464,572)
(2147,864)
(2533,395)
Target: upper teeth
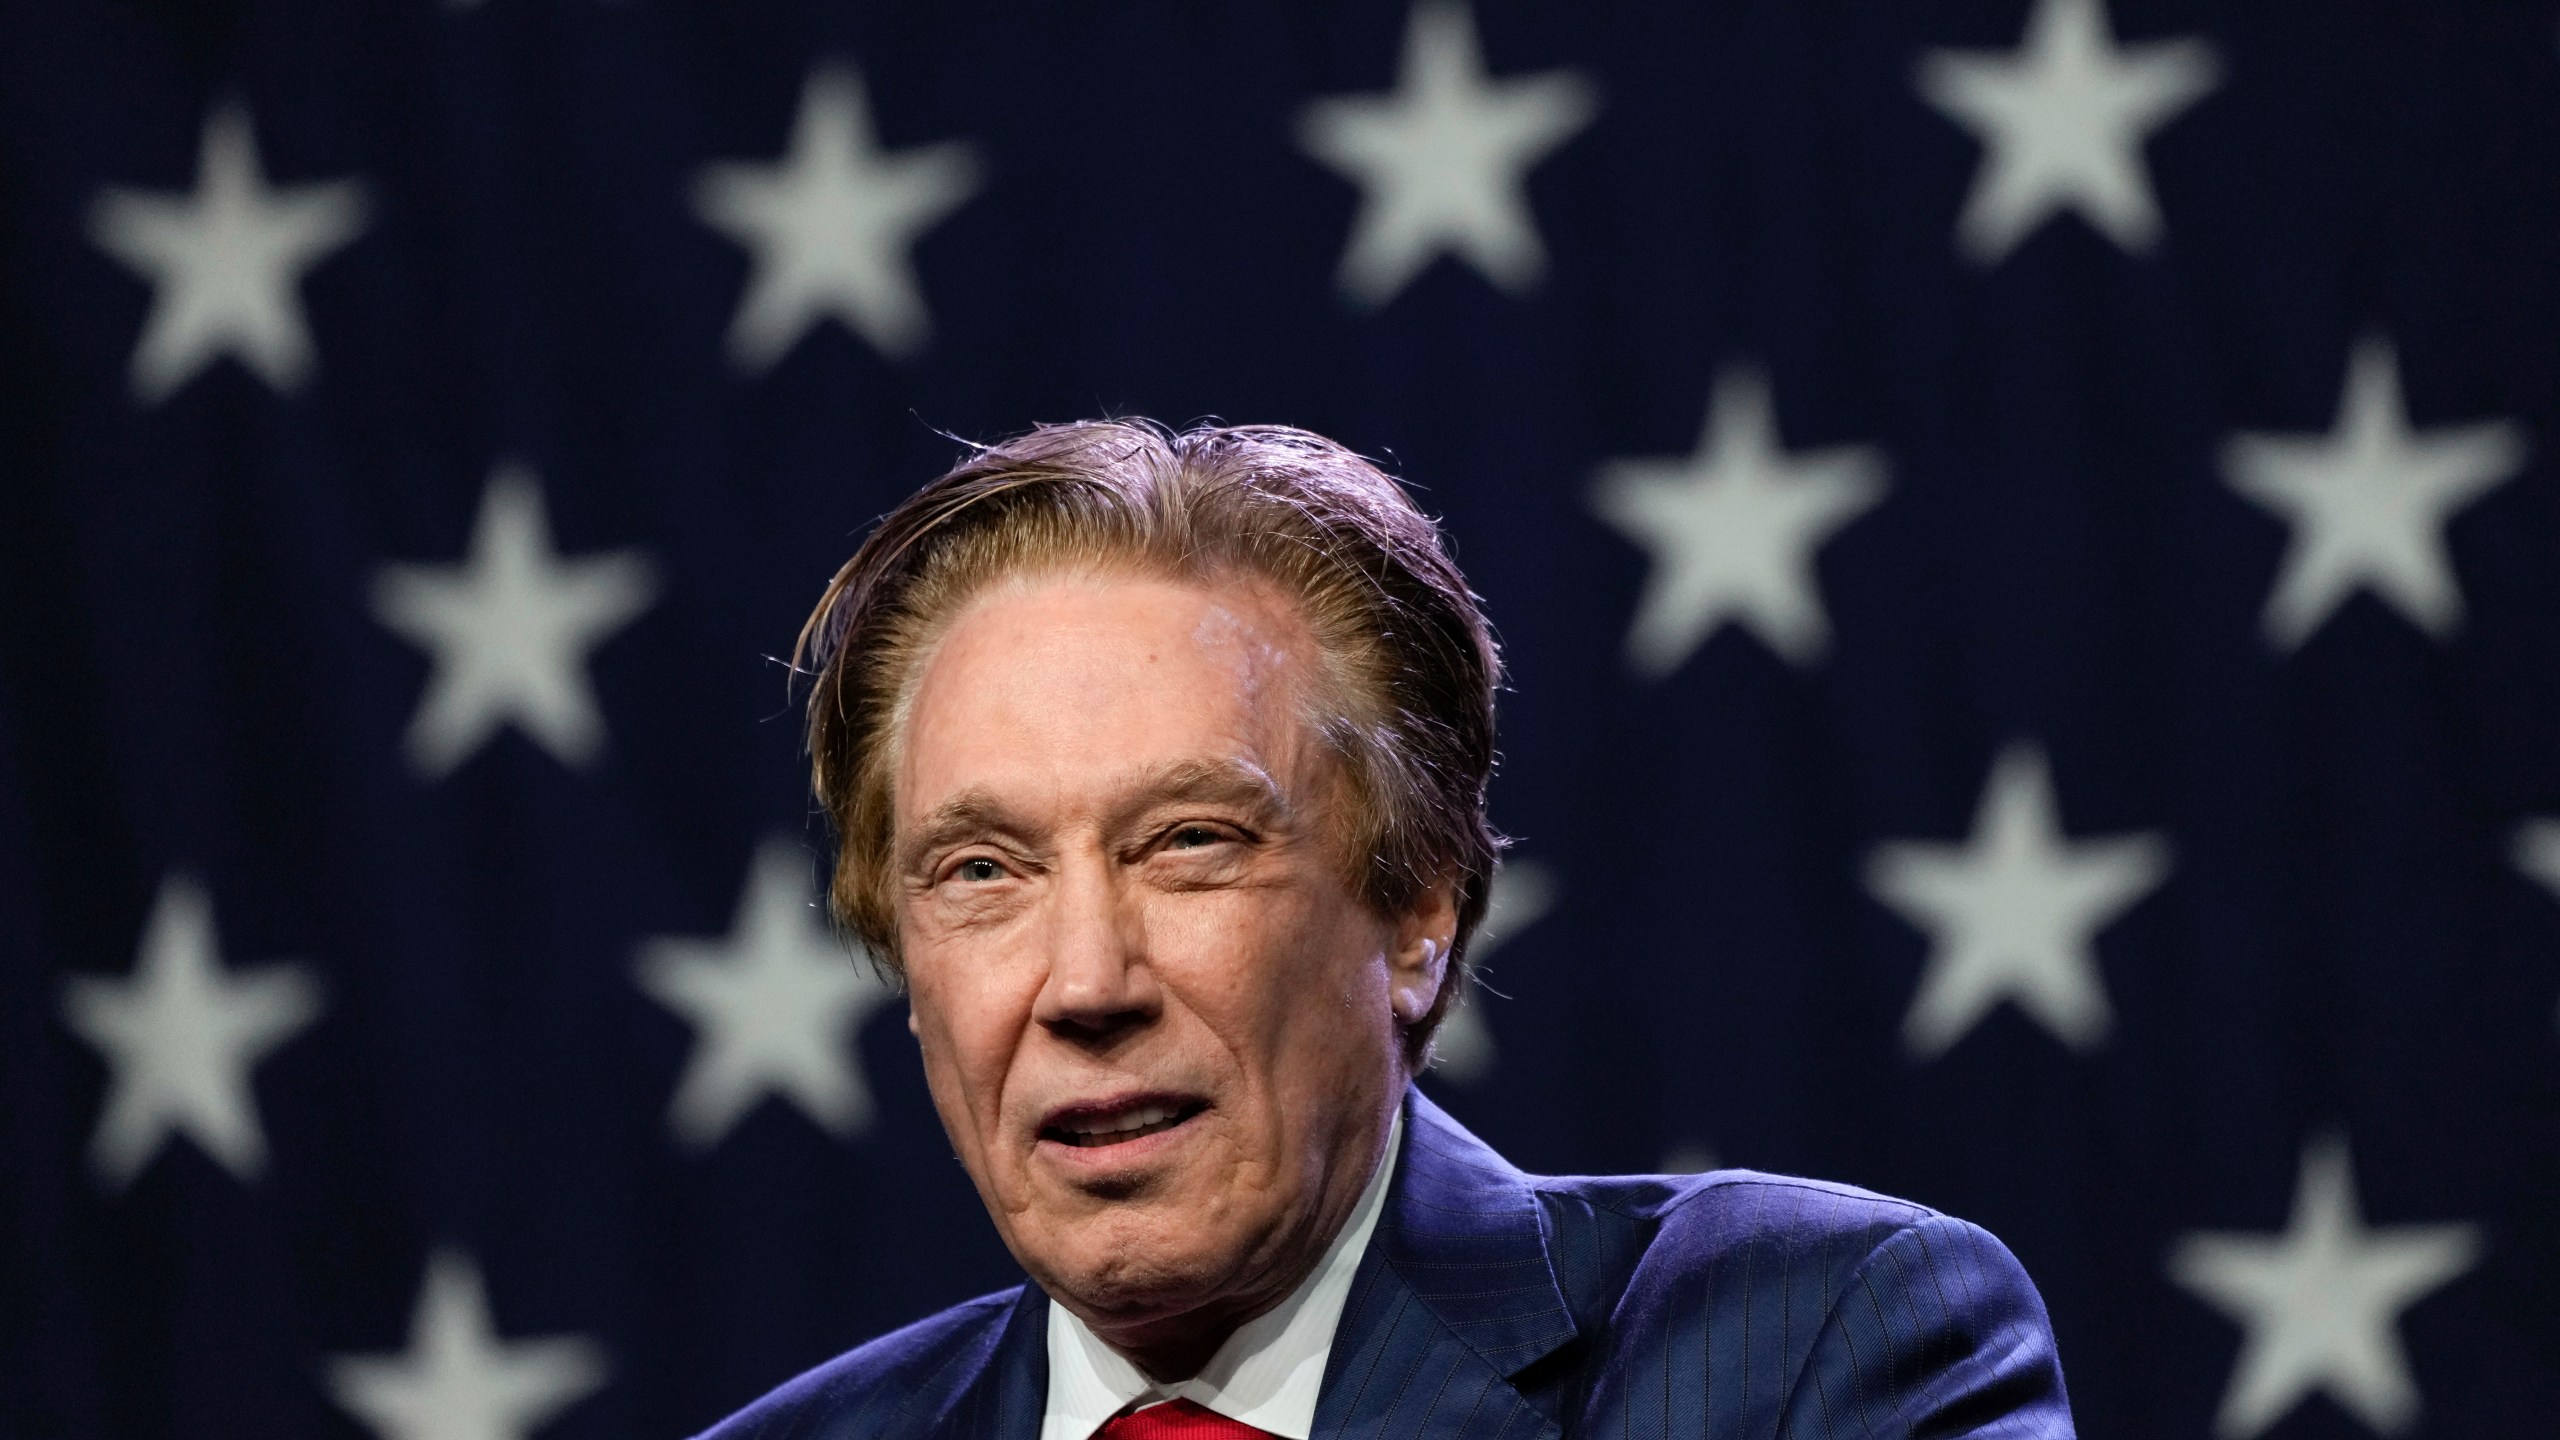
(1137,1119)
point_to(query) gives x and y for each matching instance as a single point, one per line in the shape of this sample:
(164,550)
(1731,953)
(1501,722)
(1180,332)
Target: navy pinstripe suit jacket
(1493,1303)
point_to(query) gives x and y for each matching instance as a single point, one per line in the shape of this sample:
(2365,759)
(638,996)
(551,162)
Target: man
(1158,764)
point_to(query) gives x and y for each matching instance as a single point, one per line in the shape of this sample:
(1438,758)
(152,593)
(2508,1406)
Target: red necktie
(1177,1420)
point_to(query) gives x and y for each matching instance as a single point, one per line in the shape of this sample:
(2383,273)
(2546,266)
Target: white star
(1732,530)
(2013,910)
(459,1381)
(2537,853)
(831,226)
(511,627)
(1688,1157)
(777,1009)
(1522,894)
(2322,1301)
(2368,502)
(2064,119)
(182,1036)
(1441,161)
(225,262)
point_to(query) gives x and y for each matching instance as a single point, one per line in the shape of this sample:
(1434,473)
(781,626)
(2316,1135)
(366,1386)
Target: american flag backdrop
(2027,534)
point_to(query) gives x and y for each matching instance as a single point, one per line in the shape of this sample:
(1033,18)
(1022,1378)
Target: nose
(1099,984)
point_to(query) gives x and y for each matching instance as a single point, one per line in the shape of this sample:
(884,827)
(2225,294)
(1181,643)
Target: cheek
(968,1025)
(1294,987)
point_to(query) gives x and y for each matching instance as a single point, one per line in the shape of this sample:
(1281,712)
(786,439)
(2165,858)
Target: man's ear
(1419,964)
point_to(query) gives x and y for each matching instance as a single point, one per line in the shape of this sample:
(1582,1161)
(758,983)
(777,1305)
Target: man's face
(1160,1027)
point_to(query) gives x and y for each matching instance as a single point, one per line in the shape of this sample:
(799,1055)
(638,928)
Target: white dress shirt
(1267,1373)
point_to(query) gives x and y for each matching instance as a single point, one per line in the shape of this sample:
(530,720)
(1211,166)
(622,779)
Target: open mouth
(1119,1124)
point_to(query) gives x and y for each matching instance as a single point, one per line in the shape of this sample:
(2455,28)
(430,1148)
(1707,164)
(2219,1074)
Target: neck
(1178,1348)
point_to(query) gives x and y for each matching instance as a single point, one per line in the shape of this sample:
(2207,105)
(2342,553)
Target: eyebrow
(1239,783)
(967,814)
(975,812)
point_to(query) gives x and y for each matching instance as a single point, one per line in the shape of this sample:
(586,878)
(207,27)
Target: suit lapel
(1007,1396)
(1455,1297)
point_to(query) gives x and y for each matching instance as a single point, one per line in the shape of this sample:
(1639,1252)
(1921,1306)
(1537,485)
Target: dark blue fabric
(1497,1304)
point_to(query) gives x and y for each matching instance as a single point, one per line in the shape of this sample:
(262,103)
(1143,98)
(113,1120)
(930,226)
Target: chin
(1134,1268)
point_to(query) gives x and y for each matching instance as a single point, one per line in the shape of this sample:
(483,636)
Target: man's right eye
(977,870)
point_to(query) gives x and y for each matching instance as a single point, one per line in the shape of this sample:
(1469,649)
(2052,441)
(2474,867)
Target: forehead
(1060,685)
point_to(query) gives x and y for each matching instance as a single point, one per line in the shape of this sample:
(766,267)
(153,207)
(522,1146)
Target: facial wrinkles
(927,647)
(1299,1102)
(1287,1193)
(1260,660)
(1237,647)
(1261,972)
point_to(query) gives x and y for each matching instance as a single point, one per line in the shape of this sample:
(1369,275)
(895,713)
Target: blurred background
(2027,537)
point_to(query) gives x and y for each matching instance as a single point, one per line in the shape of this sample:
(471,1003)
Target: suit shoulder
(1620,1232)
(1736,1207)
(1751,1277)
(872,1388)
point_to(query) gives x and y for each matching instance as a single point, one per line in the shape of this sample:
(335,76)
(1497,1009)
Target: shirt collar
(1268,1372)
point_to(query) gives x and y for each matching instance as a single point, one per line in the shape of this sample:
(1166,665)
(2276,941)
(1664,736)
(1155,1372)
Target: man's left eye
(1193,836)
